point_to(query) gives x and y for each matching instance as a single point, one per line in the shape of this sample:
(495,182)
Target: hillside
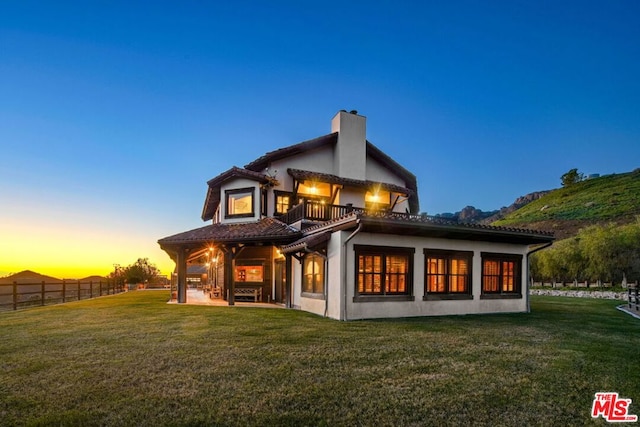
(28,276)
(611,198)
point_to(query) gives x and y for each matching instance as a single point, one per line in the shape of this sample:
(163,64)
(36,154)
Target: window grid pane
(447,273)
(500,275)
(380,274)
(313,274)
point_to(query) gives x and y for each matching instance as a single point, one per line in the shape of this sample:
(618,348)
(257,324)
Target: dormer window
(240,203)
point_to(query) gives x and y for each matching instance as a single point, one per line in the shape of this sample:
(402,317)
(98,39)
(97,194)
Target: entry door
(280,281)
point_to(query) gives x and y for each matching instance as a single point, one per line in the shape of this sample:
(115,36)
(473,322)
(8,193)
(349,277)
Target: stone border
(580,294)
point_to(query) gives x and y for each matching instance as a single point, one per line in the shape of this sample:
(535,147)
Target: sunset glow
(113,118)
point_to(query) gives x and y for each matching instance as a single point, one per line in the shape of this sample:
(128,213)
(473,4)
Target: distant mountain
(520,202)
(28,276)
(94,278)
(470,214)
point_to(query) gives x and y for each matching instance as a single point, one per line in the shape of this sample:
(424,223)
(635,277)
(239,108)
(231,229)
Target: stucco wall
(235,184)
(318,160)
(335,271)
(418,307)
(379,173)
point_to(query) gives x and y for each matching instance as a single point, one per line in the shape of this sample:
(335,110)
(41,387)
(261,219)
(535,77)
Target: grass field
(132,359)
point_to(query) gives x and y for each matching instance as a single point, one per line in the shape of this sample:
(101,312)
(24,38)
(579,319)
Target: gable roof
(263,162)
(212,199)
(398,169)
(331,139)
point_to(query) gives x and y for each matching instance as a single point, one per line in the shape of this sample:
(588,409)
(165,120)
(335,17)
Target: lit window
(447,272)
(501,274)
(377,199)
(283,202)
(314,189)
(313,274)
(383,271)
(249,273)
(240,202)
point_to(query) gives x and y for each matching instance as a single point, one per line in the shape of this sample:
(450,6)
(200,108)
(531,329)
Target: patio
(198,297)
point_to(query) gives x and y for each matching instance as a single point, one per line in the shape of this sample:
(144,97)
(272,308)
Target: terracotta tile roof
(306,242)
(265,230)
(334,179)
(422,225)
(427,226)
(212,200)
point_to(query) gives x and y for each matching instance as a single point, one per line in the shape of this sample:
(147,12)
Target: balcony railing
(316,211)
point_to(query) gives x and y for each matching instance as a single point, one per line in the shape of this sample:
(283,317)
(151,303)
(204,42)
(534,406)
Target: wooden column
(229,279)
(287,267)
(181,265)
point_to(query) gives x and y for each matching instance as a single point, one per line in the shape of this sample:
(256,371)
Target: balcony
(316,211)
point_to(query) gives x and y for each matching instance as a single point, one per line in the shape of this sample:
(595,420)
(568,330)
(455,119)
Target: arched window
(313,274)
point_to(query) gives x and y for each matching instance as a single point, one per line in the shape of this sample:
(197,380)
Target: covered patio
(198,297)
(247,255)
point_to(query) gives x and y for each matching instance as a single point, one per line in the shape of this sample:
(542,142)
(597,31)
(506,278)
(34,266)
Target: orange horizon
(75,273)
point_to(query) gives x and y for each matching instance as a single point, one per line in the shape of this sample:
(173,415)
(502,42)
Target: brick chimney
(350,158)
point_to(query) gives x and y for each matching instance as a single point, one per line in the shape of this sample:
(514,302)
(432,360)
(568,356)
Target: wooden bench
(255,293)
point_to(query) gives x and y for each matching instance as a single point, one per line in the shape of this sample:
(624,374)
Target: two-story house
(332,226)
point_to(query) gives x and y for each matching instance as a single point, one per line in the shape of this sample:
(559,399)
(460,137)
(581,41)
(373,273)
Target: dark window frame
(278,193)
(263,202)
(448,256)
(314,292)
(384,252)
(501,258)
(247,190)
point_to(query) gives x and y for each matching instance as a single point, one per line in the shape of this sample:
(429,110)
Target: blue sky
(113,115)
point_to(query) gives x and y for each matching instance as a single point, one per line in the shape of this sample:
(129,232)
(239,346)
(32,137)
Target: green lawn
(132,359)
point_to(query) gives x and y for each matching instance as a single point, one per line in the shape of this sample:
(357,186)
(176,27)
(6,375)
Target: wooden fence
(634,300)
(14,296)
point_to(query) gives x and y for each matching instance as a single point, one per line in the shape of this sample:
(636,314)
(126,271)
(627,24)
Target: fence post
(64,291)
(42,294)
(78,290)
(15,295)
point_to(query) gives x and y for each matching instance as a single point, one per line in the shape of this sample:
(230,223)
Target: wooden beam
(289,281)
(334,193)
(395,202)
(181,265)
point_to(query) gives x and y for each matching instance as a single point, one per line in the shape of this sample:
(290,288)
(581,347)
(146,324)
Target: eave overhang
(416,225)
(304,175)
(266,231)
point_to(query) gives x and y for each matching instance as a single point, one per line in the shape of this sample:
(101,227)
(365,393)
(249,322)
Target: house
(332,226)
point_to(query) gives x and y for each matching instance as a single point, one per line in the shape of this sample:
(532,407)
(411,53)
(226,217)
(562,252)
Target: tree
(571,177)
(142,271)
(117,277)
